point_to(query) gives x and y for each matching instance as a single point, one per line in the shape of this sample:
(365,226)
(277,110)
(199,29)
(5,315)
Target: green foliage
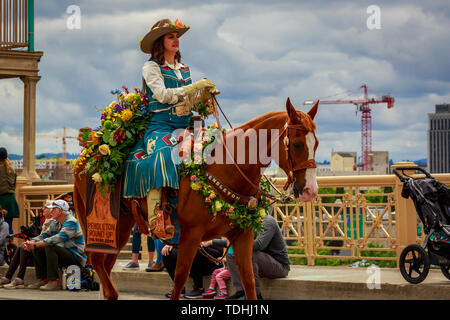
(239,214)
(335,262)
(123,122)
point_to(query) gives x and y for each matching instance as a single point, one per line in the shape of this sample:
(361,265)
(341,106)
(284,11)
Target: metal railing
(16,24)
(342,225)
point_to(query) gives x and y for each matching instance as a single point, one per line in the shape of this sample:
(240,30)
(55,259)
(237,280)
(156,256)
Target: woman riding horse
(169,87)
(150,166)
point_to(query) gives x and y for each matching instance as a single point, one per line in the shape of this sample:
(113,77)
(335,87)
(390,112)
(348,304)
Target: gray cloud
(258,53)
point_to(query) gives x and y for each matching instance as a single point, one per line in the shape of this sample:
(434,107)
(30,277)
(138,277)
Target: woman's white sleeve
(155,81)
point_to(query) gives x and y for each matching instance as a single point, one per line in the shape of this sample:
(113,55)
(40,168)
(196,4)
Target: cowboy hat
(159,29)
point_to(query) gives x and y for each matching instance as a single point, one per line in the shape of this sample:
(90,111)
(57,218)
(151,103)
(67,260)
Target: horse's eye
(298,145)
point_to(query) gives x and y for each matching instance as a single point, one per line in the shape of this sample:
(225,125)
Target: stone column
(29,127)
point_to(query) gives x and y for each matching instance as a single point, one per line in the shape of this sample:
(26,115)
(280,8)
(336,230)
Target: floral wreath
(122,123)
(243,216)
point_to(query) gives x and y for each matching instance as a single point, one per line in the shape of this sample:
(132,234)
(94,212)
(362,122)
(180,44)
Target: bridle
(311,163)
(292,169)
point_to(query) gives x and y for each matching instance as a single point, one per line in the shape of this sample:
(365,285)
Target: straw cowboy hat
(159,29)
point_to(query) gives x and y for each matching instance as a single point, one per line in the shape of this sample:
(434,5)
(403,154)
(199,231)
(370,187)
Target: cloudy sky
(258,53)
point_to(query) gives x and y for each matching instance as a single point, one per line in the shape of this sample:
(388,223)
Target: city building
(380,162)
(343,161)
(438,146)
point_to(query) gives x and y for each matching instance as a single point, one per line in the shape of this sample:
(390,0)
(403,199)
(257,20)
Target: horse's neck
(266,127)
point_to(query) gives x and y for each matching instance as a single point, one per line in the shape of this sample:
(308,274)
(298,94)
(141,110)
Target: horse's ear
(292,114)
(313,111)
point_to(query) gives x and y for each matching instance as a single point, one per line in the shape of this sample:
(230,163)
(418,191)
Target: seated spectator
(4,233)
(201,266)
(57,249)
(270,258)
(22,256)
(219,277)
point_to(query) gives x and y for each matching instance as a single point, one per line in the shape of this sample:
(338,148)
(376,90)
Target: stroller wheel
(414,264)
(446,271)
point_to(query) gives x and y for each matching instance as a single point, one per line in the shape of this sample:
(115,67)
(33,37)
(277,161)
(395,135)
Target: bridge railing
(352,218)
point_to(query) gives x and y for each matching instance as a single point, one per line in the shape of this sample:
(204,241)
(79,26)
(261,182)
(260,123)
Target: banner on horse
(102,221)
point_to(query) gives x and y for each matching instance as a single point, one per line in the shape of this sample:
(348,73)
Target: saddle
(162,227)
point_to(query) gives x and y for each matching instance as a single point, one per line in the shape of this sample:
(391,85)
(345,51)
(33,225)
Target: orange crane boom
(366,122)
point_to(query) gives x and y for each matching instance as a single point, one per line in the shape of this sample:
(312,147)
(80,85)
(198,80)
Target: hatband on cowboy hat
(159,29)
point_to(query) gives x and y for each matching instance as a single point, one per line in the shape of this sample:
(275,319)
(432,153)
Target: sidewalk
(307,283)
(303,283)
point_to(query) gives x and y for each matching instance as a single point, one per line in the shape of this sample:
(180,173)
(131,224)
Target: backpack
(88,279)
(87,282)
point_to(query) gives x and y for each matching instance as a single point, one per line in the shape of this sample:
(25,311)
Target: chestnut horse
(296,149)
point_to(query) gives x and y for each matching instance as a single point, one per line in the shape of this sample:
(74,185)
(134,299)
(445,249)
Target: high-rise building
(439,139)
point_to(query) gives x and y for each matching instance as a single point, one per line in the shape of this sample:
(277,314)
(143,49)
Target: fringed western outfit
(154,163)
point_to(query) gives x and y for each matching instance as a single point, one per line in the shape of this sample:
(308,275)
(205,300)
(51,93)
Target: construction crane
(64,143)
(363,105)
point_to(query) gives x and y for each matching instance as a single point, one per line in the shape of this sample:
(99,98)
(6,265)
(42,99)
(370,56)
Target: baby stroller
(432,201)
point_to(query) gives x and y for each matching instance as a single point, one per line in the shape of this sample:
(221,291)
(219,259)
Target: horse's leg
(111,259)
(187,249)
(243,250)
(98,263)
(126,224)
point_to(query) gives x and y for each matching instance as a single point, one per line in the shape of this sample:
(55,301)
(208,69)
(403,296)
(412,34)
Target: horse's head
(297,149)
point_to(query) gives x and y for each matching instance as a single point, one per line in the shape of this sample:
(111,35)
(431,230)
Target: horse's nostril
(307,190)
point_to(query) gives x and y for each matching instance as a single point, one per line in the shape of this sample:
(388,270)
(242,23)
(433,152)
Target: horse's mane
(306,120)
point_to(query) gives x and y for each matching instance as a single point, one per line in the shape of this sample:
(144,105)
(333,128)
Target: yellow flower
(194,186)
(104,149)
(218,205)
(126,115)
(112,105)
(213,125)
(97,177)
(262,212)
(130,97)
